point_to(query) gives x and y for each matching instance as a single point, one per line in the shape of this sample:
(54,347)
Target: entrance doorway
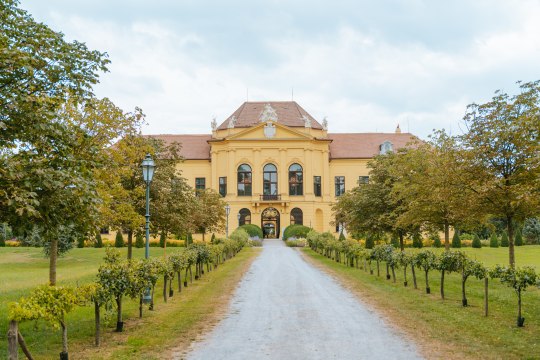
(270,223)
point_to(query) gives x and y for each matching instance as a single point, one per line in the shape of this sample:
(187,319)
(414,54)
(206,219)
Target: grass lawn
(445,329)
(171,324)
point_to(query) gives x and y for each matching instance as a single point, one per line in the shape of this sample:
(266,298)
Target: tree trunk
(64,337)
(520,320)
(414,277)
(97,316)
(165,288)
(203,236)
(428,289)
(378,270)
(140,305)
(401,244)
(446,235)
(442,284)
(393,274)
(52,261)
(151,307)
(179,274)
(405,276)
(130,244)
(23,346)
(13,352)
(511,254)
(486,282)
(119,323)
(387,271)
(463,295)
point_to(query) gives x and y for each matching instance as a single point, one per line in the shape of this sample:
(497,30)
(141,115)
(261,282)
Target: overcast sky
(366,65)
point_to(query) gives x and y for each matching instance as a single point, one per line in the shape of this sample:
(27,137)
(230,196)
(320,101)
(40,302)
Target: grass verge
(172,325)
(443,328)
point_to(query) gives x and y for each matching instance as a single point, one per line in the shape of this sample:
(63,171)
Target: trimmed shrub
(240,235)
(119,240)
(189,239)
(504,240)
(162,239)
(342,236)
(493,241)
(80,242)
(296,243)
(476,242)
(519,238)
(99,241)
(253,230)
(370,242)
(417,241)
(255,243)
(213,238)
(296,231)
(436,240)
(456,240)
(139,240)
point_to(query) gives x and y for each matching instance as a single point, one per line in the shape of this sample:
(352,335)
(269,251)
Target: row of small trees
(489,173)
(116,280)
(351,253)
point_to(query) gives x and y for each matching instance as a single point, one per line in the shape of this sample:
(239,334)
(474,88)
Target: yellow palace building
(276,165)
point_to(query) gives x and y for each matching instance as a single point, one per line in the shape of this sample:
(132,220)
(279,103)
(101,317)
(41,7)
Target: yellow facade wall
(308,147)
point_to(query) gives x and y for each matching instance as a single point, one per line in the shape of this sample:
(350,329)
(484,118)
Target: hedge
(297,231)
(252,230)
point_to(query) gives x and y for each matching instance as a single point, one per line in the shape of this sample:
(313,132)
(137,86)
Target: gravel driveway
(284,308)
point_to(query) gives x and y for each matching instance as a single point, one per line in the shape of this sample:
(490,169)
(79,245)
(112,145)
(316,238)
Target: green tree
(531,230)
(476,243)
(370,208)
(502,144)
(504,240)
(436,240)
(456,240)
(162,239)
(139,240)
(519,238)
(119,239)
(493,241)
(518,279)
(417,241)
(427,182)
(427,261)
(446,263)
(208,214)
(469,267)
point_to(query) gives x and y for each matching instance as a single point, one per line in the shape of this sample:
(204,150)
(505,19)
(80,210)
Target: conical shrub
(139,240)
(99,241)
(119,240)
(519,238)
(493,241)
(476,243)
(456,241)
(417,241)
(504,240)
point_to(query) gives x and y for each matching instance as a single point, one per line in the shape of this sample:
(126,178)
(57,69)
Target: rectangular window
(223,186)
(363,180)
(200,184)
(317,185)
(340,185)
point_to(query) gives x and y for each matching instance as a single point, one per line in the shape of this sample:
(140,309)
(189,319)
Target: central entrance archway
(270,223)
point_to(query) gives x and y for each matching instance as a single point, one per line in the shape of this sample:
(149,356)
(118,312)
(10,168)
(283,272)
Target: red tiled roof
(289,113)
(194,147)
(364,145)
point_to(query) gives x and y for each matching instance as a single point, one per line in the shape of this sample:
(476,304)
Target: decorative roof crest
(232,122)
(325,124)
(213,124)
(268,114)
(307,121)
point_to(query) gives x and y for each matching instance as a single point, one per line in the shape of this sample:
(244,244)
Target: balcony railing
(270,197)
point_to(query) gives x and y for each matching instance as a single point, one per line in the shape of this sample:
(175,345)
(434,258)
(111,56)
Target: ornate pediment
(268,114)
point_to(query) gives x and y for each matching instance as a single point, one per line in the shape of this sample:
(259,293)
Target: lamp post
(238,216)
(227,212)
(148,167)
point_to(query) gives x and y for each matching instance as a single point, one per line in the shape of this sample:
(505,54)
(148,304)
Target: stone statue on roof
(268,114)
(307,121)
(325,124)
(232,122)
(213,124)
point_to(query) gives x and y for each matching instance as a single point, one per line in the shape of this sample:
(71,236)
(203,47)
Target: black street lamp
(148,167)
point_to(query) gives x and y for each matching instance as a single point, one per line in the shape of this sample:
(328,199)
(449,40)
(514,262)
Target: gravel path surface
(284,308)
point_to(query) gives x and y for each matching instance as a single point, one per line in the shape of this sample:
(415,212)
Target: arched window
(244,180)
(386,147)
(296,180)
(297,217)
(245,217)
(270,187)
